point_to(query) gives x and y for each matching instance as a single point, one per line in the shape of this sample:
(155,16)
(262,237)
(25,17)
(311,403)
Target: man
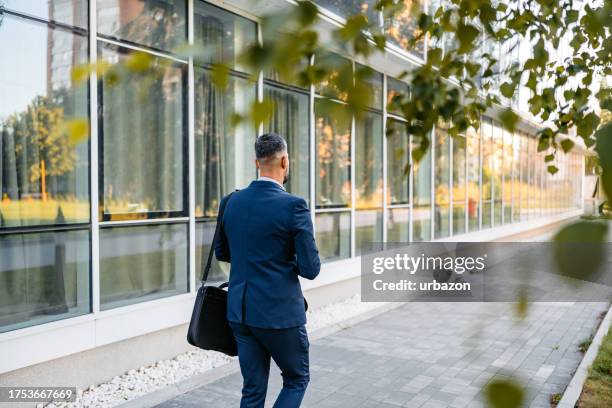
(267,235)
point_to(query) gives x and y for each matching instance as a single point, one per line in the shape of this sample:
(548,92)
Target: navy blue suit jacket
(267,236)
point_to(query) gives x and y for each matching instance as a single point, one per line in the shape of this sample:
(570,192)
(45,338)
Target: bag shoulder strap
(215,237)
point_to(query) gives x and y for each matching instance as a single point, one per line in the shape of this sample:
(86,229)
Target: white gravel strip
(164,373)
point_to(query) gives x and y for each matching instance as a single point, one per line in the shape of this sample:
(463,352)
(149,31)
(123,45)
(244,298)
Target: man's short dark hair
(268,145)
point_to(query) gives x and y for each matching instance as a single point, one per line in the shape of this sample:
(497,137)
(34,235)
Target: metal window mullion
(260,75)
(492,169)
(512,180)
(410,190)
(134,47)
(191,148)
(352,181)
(432,187)
(480,166)
(503,176)
(465,185)
(93,164)
(312,146)
(384,162)
(451,186)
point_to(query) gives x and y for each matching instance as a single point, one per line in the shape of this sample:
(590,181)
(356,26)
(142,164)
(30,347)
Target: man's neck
(279,180)
(272,179)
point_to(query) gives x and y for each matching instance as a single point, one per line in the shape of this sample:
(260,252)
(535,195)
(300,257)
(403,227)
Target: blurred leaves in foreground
(504,394)
(580,249)
(455,84)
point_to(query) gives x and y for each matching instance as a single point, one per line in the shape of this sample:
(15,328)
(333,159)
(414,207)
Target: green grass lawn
(597,391)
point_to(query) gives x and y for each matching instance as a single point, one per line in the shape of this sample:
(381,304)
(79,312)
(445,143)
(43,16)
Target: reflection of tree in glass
(347,8)
(334,160)
(402,28)
(155,23)
(43,153)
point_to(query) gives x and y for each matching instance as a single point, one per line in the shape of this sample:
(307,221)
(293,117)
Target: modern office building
(102,240)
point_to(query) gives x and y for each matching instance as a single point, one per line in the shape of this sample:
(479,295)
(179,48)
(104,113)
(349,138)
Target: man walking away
(267,236)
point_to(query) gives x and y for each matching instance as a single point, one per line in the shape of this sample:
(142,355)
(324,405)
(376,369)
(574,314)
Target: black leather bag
(208,328)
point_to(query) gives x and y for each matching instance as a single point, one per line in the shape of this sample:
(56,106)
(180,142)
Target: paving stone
(432,355)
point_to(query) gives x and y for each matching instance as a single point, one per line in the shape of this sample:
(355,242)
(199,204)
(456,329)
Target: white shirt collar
(263,178)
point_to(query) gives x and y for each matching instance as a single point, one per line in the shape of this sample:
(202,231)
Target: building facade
(102,240)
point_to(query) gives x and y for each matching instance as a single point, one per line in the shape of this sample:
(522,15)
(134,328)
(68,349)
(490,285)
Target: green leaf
(466,34)
(552,169)
(219,75)
(380,40)
(604,151)
(579,249)
(139,61)
(543,143)
(507,89)
(261,112)
(509,119)
(434,56)
(459,141)
(80,73)
(504,394)
(549,158)
(567,145)
(76,129)
(307,12)
(353,27)
(587,125)
(522,304)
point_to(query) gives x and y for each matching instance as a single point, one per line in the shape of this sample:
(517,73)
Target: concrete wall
(103,363)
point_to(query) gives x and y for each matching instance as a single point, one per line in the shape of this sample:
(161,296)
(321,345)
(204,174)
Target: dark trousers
(288,348)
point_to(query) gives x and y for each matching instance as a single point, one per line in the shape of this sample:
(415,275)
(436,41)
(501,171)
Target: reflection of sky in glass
(38,8)
(70,12)
(23,73)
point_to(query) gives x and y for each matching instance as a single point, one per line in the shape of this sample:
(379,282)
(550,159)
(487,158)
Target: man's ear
(284,162)
(257,164)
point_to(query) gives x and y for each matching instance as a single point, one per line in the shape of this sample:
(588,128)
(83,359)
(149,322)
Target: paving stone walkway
(433,355)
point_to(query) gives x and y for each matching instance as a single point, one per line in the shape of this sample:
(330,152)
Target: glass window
(223,35)
(442,186)
(516,177)
(142,263)
(539,173)
(398,225)
(70,12)
(143,143)
(402,29)
(368,229)
(347,8)
(421,195)
(524,177)
(341,69)
(374,80)
(498,159)
(487,171)
(507,177)
(368,180)
(459,185)
(473,177)
(43,277)
(398,162)
(290,119)
(368,161)
(532,177)
(44,176)
(224,155)
(395,89)
(333,160)
(159,24)
(219,271)
(333,235)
